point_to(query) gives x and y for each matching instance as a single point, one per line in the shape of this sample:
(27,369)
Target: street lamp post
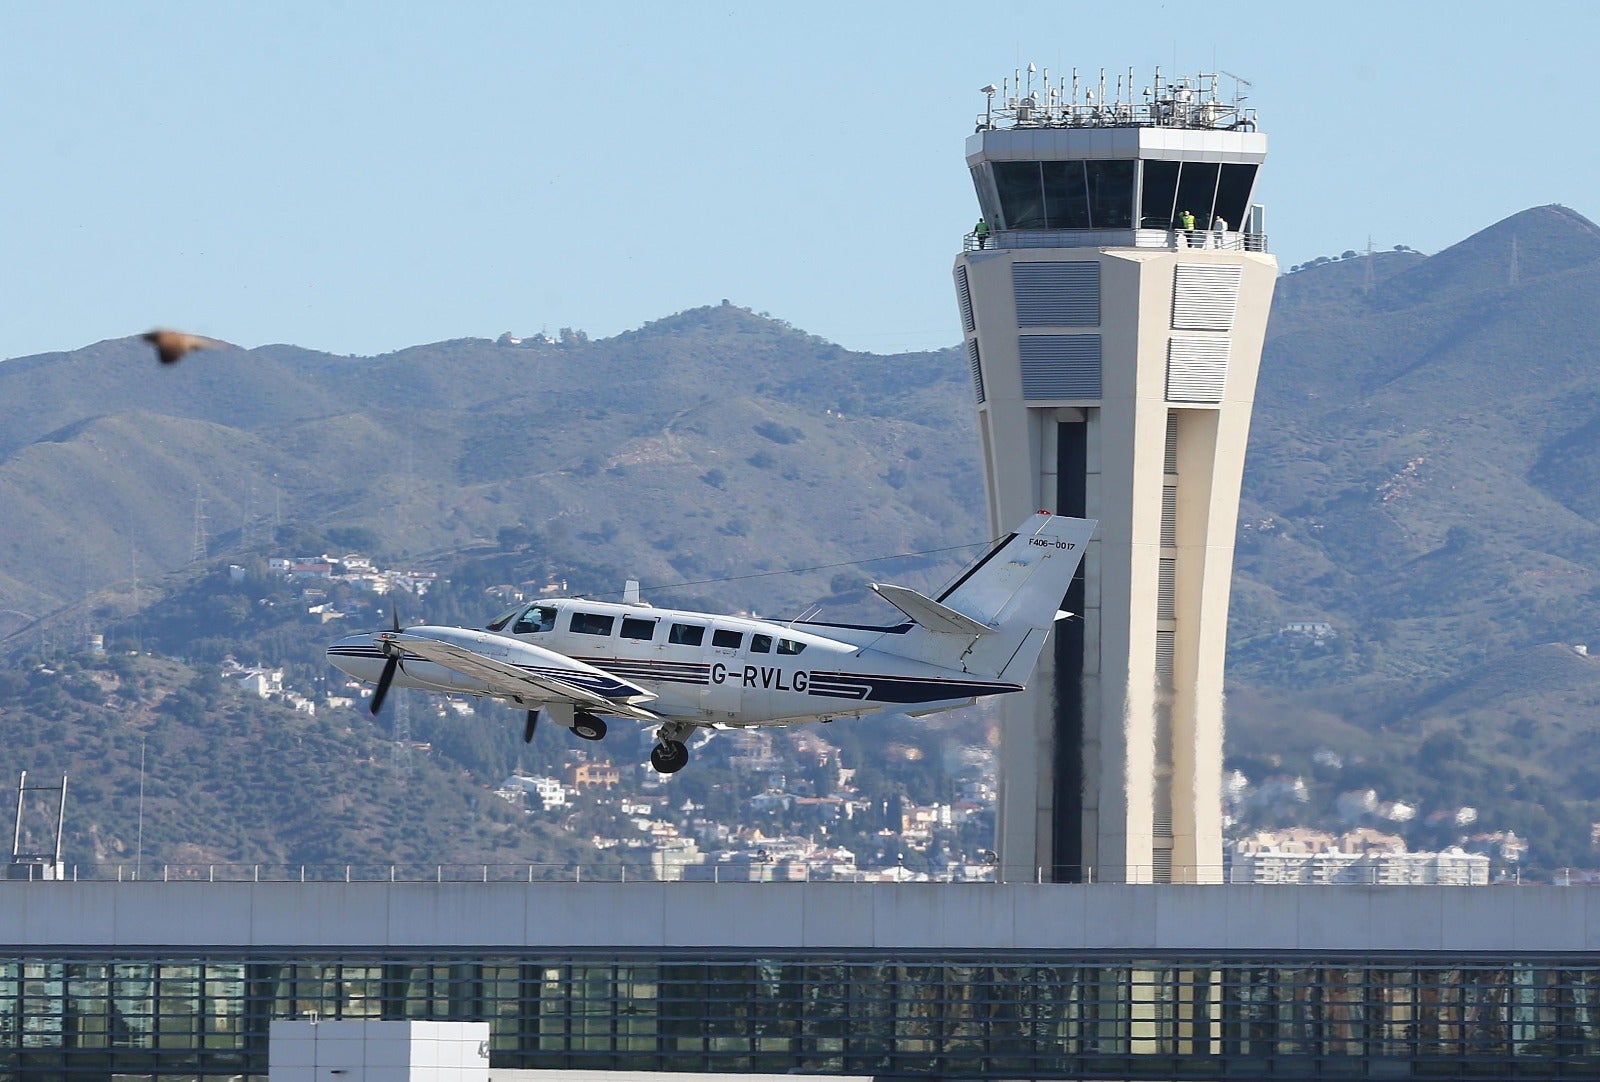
(138,846)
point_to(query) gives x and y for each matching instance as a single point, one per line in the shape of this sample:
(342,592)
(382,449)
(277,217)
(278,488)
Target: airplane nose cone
(357,655)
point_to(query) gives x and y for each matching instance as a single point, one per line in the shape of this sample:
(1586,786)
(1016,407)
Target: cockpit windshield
(499,622)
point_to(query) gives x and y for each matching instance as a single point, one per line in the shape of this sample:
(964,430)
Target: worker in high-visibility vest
(981,231)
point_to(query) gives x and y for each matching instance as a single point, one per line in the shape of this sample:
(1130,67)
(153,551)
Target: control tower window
(1110,194)
(1197,191)
(1233,193)
(1021,195)
(988,199)
(1157,209)
(1066,195)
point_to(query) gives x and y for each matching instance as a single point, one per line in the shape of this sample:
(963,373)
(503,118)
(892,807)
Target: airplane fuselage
(692,666)
(578,661)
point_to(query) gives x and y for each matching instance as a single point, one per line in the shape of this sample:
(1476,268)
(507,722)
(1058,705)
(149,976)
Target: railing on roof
(1191,101)
(631,872)
(772,872)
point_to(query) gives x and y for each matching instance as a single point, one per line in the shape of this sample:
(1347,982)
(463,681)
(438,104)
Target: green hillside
(1422,476)
(1419,476)
(229,779)
(709,444)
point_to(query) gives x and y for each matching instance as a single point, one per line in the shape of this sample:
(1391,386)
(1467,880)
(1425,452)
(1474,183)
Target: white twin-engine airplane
(578,661)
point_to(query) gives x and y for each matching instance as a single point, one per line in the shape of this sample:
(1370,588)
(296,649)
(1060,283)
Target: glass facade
(997,1015)
(1082,195)
(1064,194)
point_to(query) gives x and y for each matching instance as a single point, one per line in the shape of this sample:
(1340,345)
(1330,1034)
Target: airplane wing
(512,680)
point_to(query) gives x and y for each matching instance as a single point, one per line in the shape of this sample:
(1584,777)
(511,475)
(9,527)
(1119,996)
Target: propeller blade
(384,681)
(529,726)
(389,666)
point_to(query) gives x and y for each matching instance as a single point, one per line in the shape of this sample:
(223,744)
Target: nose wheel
(669,757)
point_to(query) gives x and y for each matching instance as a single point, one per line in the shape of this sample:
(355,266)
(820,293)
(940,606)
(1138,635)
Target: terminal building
(1114,302)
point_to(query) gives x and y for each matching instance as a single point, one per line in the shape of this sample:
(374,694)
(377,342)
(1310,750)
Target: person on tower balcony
(981,231)
(1186,223)
(1219,226)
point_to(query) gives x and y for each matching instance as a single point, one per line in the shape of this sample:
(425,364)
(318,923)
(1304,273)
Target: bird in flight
(172,346)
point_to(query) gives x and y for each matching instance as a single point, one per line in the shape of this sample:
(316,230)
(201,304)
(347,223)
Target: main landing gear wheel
(589,726)
(669,757)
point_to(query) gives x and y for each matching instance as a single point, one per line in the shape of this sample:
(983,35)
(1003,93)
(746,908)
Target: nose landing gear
(671,755)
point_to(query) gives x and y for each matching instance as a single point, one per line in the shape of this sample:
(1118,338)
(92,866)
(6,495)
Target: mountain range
(1421,478)
(709,444)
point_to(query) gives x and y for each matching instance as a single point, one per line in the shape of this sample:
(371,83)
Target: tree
(355,539)
(1442,747)
(185,707)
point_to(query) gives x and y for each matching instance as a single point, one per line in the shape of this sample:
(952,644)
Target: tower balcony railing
(1223,240)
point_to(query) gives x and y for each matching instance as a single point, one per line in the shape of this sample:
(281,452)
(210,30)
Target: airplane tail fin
(994,619)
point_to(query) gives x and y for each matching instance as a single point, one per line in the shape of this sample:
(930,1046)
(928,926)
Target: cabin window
(503,619)
(635,628)
(534,619)
(687,634)
(725,639)
(761,644)
(591,623)
(789,646)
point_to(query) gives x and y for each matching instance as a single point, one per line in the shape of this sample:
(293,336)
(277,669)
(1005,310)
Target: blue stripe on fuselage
(900,690)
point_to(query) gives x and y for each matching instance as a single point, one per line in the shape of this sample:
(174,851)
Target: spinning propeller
(392,654)
(393,651)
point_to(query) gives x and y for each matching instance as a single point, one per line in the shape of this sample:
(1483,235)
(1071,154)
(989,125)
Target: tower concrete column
(1113,353)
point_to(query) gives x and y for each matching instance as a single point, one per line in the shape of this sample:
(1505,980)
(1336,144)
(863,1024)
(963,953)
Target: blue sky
(358,177)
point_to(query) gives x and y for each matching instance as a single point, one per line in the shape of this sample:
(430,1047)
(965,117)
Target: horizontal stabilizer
(992,621)
(929,614)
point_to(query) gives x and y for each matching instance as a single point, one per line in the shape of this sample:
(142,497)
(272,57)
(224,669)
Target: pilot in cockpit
(535,619)
(530,620)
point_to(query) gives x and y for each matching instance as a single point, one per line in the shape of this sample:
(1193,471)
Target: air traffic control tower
(1114,349)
